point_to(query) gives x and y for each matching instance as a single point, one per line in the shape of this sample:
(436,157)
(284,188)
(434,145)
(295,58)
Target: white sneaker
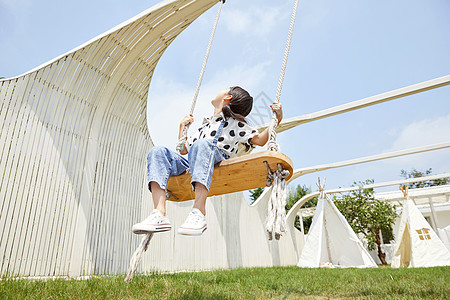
(156,222)
(195,223)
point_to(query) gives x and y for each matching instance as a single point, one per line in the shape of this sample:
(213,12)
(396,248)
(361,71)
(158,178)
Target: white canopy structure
(73,143)
(331,240)
(417,244)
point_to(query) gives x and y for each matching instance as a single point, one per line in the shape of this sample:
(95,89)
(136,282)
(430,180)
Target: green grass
(252,283)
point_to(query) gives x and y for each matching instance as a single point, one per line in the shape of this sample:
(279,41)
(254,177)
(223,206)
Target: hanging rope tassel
(137,256)
(276,213)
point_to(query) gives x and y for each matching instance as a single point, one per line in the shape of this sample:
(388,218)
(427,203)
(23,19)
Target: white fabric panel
(312,251)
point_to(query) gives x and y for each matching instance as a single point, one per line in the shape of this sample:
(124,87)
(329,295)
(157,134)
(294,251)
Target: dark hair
(240,105)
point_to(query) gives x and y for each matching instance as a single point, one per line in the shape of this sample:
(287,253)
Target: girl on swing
(217,139)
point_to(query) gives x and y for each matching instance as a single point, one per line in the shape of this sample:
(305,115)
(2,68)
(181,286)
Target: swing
(232,175)
(242,173)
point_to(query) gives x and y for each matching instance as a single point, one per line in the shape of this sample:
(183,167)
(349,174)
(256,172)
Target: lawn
(251,283)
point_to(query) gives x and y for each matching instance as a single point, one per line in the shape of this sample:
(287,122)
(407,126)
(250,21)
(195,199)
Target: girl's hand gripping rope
(187,120)
(182,134)
(278,110)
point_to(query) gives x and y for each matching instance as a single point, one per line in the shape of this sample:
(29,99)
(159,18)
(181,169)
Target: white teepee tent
(417,245)
(331,240)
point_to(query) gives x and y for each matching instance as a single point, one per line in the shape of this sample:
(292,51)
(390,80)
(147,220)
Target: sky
(341,51)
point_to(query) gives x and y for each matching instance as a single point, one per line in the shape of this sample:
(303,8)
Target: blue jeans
(202,157)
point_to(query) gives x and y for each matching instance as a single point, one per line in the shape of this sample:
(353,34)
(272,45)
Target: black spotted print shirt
(232,135)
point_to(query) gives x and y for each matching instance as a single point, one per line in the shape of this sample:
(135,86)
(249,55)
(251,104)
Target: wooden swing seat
(232,175)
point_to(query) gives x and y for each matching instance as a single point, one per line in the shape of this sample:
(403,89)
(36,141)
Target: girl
(217,139)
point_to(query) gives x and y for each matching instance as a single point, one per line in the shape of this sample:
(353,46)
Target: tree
(292,198)
(427,183)
(254,194)
(296,194)
(368,216)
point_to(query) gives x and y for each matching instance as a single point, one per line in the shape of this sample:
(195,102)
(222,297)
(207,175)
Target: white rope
(276,213)
(182,140)
(272,144)
(137,256)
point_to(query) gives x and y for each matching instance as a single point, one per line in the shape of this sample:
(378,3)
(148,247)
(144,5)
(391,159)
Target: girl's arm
(262,138)
(187,120)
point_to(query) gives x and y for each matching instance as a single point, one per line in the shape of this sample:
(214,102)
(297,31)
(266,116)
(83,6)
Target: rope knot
(276,213)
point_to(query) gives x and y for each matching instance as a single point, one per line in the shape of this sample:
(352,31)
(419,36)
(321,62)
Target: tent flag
(417,245)
(331,242)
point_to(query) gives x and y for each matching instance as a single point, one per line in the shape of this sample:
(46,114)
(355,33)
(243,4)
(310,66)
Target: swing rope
(182,140)
(272,143)
(137,256)
(276,220)
(276,213)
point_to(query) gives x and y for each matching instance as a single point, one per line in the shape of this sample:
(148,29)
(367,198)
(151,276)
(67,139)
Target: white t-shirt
(233,133)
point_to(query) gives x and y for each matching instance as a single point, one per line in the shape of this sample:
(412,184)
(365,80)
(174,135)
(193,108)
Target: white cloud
(423,133)
(14,20)
(12,3)
(237,21)
(419,133)
(257,22)
(312,14)
(20,9)
(265,20)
